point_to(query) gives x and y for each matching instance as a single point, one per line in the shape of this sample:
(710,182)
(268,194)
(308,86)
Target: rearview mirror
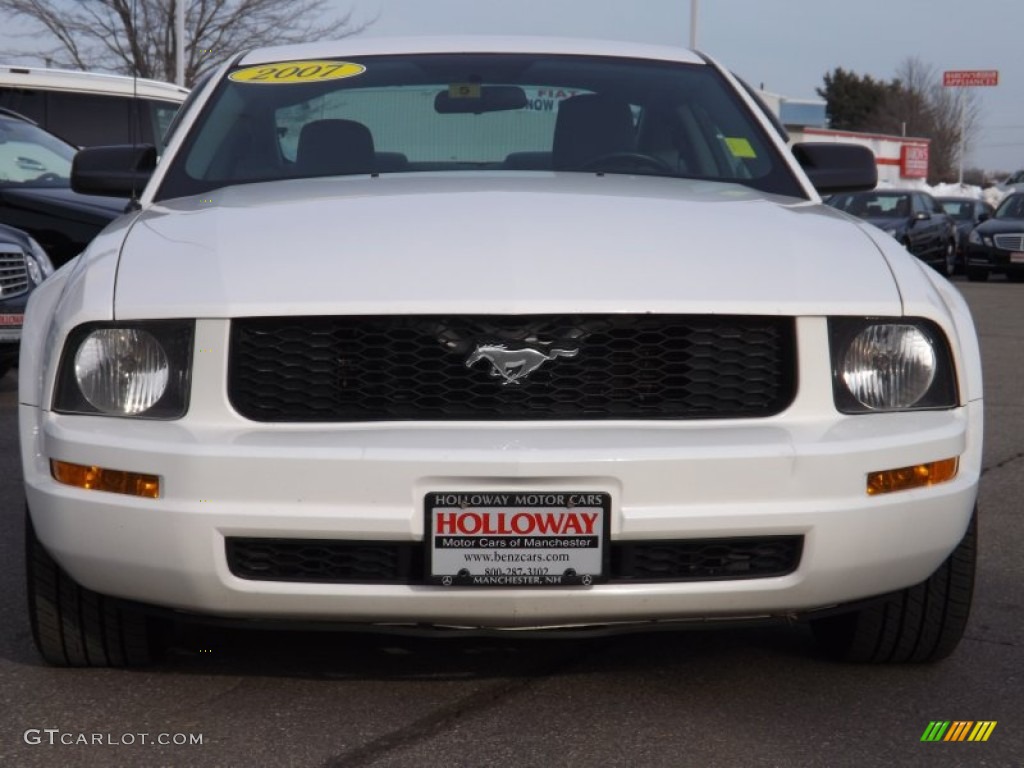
(472,98)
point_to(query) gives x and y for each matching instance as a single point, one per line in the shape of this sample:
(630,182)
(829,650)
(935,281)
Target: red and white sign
(517,539)
(914,161)
(970,77)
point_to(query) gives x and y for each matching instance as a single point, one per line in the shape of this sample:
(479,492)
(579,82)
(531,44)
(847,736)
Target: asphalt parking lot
(722,697)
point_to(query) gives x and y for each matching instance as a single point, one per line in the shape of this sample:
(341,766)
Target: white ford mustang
(494,333)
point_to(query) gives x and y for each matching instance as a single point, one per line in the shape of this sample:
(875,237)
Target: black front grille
(329,561)
(324,560)
(382,368)
(14,280)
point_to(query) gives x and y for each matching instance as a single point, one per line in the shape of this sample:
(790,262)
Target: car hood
(500,244)
(66,202)
(883,222)
(998,226)
(14,236)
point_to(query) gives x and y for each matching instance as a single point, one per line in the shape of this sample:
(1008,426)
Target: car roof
(89,82)
(373,46)
(879,193)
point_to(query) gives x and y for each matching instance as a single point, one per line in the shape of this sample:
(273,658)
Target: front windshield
(31,157)
(1011,208)
(873,205)
(475,112)
(961,210)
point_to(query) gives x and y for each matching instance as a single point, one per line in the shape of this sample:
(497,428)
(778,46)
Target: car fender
(80,291)
(938,300)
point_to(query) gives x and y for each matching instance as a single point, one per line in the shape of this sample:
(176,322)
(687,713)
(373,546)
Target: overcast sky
(785,45)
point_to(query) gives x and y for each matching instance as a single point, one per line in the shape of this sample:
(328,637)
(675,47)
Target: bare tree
(138,36)
(919,105)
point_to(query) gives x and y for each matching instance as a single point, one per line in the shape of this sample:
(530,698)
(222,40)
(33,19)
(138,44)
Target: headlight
(974,238)
(127,369)
(39,265)
(890,365)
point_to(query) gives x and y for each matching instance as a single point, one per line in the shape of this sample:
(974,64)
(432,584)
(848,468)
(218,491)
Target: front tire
(923,623)
(76,627)
(977,274)
(949,266)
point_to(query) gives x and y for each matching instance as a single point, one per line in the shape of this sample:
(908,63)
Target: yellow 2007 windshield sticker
(297,72)
(740,148)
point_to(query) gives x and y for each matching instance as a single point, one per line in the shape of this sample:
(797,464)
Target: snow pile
(991,195)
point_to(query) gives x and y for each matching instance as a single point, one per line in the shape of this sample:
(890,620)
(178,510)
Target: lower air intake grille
(363,562)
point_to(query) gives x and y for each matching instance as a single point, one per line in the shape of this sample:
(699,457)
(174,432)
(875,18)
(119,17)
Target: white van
(90,109)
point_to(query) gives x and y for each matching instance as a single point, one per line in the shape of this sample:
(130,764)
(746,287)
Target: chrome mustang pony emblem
(511,365)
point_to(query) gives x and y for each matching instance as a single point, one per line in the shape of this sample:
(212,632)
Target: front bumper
(12,313)
(995,259)
(799,474)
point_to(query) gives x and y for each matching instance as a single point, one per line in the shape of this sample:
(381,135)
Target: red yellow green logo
(958,730)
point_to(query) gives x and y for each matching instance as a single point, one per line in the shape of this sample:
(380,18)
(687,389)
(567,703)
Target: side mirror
(118,171)
(837,167)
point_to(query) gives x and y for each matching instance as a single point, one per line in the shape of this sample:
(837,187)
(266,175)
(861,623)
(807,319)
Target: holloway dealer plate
(517,538)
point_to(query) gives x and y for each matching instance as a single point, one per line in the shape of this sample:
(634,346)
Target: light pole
(693,23)
(963,134)
(179,39)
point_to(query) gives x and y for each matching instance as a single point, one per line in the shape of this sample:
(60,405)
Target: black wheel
(920,624)
(948,266)
(977,274)
(75,627)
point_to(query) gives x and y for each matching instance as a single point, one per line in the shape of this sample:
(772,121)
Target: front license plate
(516,538)
(1017,258)
(10,327)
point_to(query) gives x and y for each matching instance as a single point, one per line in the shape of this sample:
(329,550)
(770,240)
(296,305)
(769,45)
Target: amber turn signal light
(110,480)
(917,476)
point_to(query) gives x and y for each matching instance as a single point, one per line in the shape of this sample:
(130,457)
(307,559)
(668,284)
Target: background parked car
(914,218)
(967,213)
(997,245)
(90,109)
(23,266)
(1012,183)
(36,194)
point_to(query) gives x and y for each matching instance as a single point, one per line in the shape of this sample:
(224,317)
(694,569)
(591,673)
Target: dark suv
(36,194)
